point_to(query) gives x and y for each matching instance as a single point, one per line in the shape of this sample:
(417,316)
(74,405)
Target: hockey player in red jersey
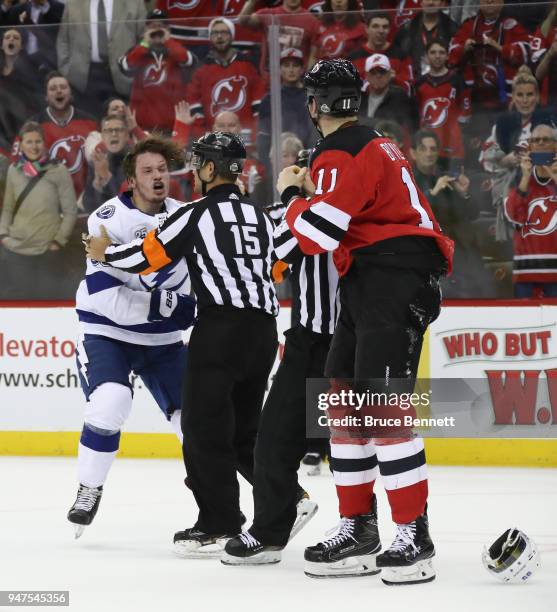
(532,207)
(390,253)
(444,103)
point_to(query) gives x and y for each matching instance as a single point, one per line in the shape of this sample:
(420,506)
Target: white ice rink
(125,562)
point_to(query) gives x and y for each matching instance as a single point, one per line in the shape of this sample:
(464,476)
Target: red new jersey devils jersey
(336,40)
(365,193)
(534,215)
(442,101)
(236,87)
(488,72)
(65,143)
(157,83)
(190,18)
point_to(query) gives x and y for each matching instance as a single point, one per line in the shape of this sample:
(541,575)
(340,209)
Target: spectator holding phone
(532,208)
(449,196)
(156,65)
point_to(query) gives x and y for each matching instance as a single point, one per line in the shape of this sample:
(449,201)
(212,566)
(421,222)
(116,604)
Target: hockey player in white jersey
(129,323)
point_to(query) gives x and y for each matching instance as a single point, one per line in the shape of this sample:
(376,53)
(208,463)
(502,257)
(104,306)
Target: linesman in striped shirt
(281,507)
(227,243)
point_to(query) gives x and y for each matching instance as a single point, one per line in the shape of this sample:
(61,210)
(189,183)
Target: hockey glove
(167,305)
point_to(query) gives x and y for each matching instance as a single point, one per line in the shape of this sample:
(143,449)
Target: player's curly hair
(171,151)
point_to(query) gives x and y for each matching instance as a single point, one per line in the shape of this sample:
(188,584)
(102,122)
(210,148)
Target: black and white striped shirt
(227,243)
(314,280)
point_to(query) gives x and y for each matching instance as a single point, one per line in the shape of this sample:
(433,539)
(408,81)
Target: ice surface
(124,561)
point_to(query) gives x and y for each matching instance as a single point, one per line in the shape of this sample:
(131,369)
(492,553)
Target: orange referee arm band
(154,253)
(278,271)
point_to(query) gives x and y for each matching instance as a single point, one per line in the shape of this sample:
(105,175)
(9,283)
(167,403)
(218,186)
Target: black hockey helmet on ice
(336,87)
(224,149)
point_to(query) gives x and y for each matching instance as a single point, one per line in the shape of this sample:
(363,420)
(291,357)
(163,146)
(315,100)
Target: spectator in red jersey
(293,105)
(532,208)
(189,21)
(65,128)
(489,48)
(18,84)
(444,104)
(454,208)
(340,33)
(544,55)
(157,67)
(227,80)
(41,19)
(297,28)
(402,10)
(378,34)
(37,219)
(412,39)
(105,176)
(384,100)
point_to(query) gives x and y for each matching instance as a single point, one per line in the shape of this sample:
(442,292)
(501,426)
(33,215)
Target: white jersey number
(415,199)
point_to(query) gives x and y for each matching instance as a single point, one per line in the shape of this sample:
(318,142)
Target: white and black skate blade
(265,557)
(192,549)
(418,573)
(351,567)
(78,531)
(305,511)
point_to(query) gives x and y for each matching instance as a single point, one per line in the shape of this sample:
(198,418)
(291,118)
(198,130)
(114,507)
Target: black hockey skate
(350,552)
(409,558)
(84,508)
(195,544)
(244,549)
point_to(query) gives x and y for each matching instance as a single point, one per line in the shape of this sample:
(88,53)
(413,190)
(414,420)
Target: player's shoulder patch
(350,140)
(106,211)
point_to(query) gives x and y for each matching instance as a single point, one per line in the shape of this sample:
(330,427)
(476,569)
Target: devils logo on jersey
(331,45)
(155,74)
(69,151)
(229,94)
(185,6)
(435,112)
(542,217)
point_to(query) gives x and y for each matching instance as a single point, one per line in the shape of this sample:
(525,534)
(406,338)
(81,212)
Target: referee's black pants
(281,441)
(231,352)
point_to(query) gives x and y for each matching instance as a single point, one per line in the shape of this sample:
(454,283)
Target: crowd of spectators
(467,89)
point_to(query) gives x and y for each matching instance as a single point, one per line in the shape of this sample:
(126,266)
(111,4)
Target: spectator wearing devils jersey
(189,20)
(156,65)
(489,48)
(65,129)
(532,208)
(378,32)
(227,80)
(412,39)
(444,102)
(297,28)
(341,32)
(390,253)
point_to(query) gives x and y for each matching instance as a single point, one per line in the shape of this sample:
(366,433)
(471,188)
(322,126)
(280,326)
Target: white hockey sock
(93,466)
(175,421)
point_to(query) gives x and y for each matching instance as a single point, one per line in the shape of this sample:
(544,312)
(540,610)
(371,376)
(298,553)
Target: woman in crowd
(37,219)
(18,84)
(501,152)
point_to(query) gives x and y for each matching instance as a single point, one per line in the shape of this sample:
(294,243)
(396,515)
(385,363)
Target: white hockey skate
(194,544)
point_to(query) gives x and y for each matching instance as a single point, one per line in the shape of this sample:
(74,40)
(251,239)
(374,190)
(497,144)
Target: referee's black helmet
(224,149)
(336,87)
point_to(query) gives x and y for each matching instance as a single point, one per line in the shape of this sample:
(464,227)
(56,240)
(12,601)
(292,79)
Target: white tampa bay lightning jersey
(113,303)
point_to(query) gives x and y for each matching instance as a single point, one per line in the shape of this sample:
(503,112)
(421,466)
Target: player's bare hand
(309,185)
(95,246)
(291,176)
